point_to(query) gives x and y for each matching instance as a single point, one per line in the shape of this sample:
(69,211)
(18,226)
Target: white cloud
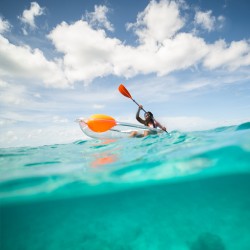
(28,16)
(163,48)
(183,51)
(4,25)
(100,55)
(163,89)
(87,52)
(230,56)
(159,21)
(24,62)
(98,18)
(207,21)
(220,21)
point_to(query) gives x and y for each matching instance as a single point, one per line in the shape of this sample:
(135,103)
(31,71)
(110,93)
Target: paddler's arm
(160,126)
(138,118)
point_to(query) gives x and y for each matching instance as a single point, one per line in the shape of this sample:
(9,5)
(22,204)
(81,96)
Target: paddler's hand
(140,106)
(164,128)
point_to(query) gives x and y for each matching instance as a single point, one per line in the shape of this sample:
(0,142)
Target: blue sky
(186,61)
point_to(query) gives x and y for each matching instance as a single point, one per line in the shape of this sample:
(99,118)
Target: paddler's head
(148,116)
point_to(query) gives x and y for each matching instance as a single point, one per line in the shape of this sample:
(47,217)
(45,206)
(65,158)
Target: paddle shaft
(138,105)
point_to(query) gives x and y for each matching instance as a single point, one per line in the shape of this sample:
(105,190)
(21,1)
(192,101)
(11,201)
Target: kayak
(121,130)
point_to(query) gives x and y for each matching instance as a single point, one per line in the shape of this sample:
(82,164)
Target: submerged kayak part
(119,130)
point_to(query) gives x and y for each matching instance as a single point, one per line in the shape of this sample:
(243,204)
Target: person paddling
(149,121)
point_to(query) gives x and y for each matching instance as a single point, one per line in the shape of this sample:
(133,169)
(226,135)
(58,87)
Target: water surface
(187,191)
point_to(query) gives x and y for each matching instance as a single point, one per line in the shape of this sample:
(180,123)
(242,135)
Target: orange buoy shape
(100,123)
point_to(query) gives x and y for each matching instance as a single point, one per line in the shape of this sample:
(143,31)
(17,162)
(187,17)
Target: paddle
(126,93)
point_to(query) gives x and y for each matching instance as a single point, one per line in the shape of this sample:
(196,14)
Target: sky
(187,61)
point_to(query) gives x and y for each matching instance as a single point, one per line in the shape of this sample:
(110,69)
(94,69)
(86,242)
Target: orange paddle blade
(124,91)
(101,123)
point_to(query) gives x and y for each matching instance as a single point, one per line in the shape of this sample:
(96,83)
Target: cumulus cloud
(230,56)
(159,21)
(22,61)
(207,21)
(163,47)
(180,53)
(98,18)
(4,25)
(28,16)
(88,52)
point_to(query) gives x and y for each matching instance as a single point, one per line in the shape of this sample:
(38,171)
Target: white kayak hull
(121,130)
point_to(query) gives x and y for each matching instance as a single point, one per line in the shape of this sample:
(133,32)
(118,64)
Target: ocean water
(186,191)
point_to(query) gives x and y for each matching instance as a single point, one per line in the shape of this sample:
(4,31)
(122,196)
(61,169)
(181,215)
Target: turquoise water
(187,191)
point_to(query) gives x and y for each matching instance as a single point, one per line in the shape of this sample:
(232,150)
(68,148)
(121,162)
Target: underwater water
(186,191)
